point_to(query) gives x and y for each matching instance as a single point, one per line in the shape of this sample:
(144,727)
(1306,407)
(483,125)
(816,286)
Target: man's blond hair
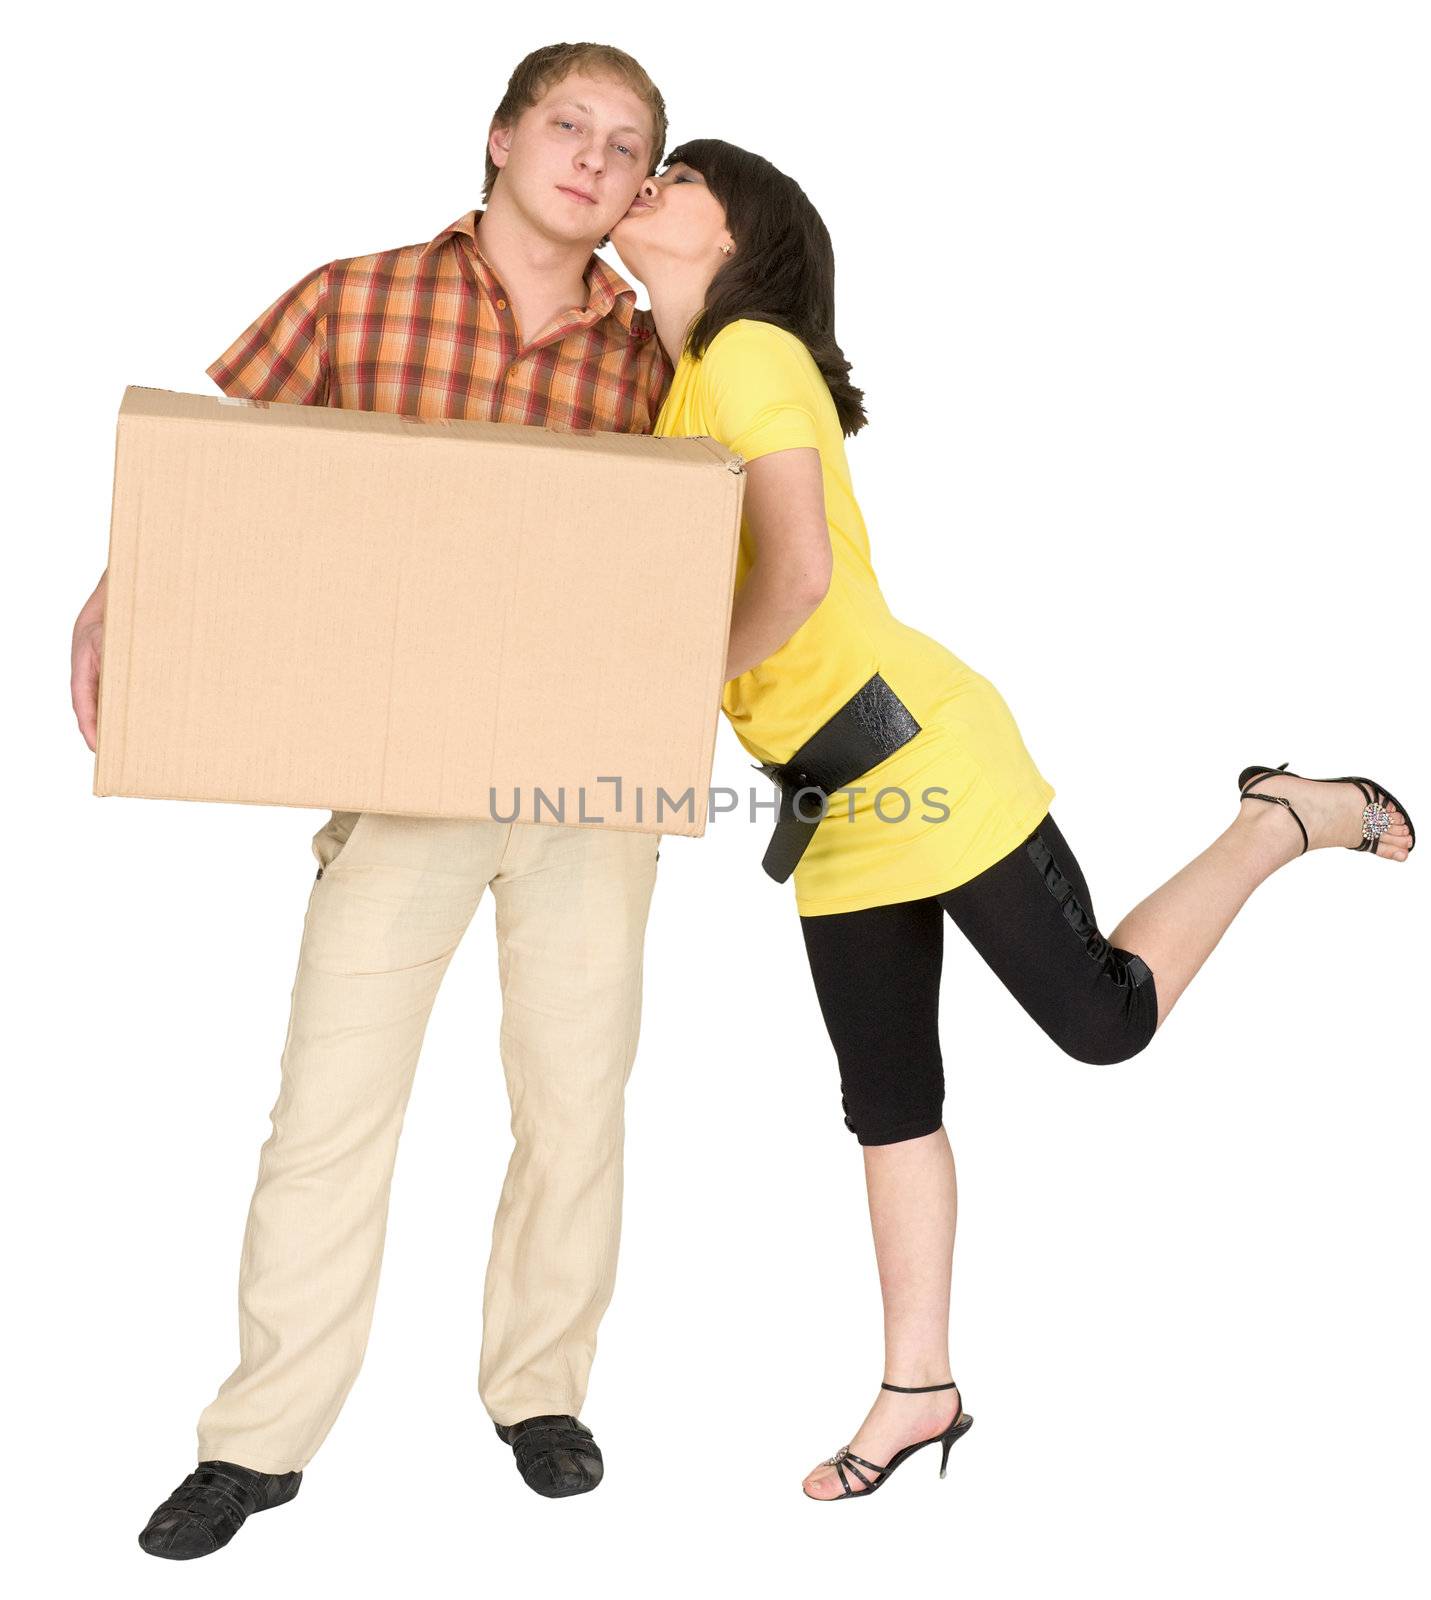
(536,73)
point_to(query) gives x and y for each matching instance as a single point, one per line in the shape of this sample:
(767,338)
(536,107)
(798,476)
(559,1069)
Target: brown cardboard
(317,607)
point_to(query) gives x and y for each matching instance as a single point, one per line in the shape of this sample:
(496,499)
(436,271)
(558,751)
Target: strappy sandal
(1375,819)
(846,1462)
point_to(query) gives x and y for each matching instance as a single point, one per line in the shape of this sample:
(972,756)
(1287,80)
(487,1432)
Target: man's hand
(85,653)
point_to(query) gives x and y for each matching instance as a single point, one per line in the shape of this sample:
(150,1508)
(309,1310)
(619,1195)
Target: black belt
(867,729)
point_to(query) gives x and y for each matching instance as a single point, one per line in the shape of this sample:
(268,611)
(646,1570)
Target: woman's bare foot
(1330,812)
(895,1420)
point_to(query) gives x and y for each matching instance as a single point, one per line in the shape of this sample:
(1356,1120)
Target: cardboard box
(317,607)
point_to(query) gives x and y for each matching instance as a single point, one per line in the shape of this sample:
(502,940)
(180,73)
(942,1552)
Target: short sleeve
(283,356)
(764,389)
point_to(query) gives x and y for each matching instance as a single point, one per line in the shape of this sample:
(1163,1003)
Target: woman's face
(673,219)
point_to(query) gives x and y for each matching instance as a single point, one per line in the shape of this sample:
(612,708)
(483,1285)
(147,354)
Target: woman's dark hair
(783,269)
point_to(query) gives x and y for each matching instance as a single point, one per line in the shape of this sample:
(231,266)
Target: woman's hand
(791,560)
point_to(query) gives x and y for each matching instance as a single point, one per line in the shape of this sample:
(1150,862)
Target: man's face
(573,162)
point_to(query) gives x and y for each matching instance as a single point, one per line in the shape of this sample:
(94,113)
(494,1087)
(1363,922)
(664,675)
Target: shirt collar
(608,293)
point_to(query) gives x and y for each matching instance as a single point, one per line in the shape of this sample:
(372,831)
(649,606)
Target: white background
(1138,295)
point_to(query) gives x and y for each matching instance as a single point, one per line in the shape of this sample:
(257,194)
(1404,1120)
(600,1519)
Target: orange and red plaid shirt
(426,330)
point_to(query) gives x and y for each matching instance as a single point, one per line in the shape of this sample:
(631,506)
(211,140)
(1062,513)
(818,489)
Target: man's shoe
(556,1456)
(210,1507)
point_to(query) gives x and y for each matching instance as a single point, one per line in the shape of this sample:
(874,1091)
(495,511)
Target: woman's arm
(791,559)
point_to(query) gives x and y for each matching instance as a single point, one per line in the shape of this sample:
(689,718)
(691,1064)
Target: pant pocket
(333,839)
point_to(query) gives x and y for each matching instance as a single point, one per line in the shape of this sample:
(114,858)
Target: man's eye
(561,124)
(625,150)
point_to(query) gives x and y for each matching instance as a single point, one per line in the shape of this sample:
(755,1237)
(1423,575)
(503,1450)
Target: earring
(726,249)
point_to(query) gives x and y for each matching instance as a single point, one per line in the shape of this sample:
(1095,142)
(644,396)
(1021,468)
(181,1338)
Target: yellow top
(964,791)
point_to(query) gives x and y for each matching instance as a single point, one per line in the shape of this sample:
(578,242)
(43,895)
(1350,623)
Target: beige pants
(392,899)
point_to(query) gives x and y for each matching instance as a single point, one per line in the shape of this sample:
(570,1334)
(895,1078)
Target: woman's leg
(1101,999)
(913,1204)
(876,975)
(1177,927)
(1030,916)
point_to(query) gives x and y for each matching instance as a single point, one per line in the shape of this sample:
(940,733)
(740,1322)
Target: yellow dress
(964,791)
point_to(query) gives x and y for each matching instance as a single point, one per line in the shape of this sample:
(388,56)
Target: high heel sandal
(845,1458)
(1374,818)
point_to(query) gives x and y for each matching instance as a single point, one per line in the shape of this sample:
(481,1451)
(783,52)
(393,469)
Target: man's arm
(282,356)
(85,650)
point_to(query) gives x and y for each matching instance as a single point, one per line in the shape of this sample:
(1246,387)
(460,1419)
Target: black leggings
(1031,918)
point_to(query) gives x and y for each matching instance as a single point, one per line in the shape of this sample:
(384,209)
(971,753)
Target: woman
(931,804)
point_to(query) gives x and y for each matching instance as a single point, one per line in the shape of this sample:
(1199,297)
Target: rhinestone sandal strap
(1375,820)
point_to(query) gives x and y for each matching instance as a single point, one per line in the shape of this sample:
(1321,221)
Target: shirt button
(501,305)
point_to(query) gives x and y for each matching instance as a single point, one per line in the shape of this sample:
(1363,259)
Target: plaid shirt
(426,331)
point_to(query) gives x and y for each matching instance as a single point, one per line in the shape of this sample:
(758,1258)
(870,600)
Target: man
(505,316)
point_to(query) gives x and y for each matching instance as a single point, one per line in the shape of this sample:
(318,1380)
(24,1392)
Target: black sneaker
(210,1507)
(556,1456)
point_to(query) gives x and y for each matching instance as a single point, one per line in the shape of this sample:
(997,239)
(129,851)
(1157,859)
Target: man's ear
(499,145)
